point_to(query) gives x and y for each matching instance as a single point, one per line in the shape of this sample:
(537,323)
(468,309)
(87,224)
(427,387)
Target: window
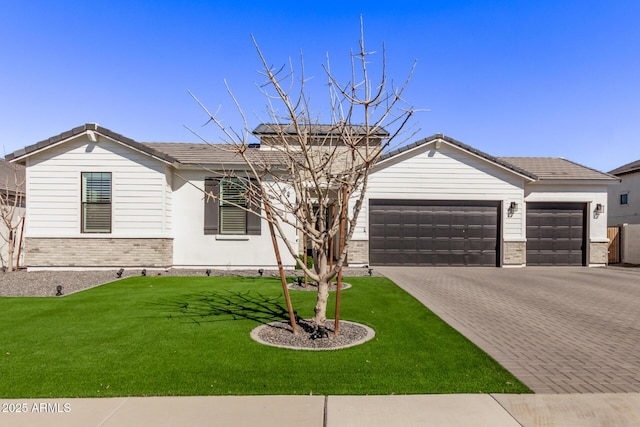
(624,198)
(233,204)
(96,202)
(227,209)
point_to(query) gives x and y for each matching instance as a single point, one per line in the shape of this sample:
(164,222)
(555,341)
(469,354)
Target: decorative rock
(279,334)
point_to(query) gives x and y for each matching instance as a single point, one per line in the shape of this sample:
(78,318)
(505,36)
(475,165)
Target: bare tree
(12,182)
(309,171)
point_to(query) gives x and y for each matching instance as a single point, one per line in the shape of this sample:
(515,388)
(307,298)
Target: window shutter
(254,221)
(211,204)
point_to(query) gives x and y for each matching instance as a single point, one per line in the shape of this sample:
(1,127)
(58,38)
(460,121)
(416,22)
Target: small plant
(301,261)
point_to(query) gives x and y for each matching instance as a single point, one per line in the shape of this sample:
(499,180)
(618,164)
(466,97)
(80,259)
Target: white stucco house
(97,199)
(624,211)
(624,196)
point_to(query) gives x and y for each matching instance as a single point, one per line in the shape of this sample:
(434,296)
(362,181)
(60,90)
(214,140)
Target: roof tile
(556,168)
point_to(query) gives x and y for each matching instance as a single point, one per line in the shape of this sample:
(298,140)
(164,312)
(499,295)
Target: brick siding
(98,252)
(598,252)
(358,252)
(514,253)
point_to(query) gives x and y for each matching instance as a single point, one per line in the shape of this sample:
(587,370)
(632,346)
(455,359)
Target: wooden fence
(613,233)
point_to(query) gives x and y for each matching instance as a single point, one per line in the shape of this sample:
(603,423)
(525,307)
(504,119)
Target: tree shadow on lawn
(220,306)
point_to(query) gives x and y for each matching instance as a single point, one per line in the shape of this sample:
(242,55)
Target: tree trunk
(11,250)
(320,311)
(322,269)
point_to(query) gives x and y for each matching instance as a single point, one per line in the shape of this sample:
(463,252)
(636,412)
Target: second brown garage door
(456,233)
(556,233)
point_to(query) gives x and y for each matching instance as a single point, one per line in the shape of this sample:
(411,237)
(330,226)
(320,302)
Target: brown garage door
(556,233)
(404,232)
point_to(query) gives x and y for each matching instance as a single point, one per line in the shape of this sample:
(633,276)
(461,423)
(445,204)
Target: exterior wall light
(599,210)
(513,207)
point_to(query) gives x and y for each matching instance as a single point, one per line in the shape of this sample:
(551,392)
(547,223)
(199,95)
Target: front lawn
(158,336)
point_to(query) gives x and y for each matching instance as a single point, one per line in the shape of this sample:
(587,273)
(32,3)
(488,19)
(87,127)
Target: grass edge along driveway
(161,336)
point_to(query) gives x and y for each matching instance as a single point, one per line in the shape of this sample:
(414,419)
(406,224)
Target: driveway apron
(558,329)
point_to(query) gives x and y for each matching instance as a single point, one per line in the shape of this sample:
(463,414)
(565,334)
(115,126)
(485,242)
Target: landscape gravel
(44,283)
(280,334)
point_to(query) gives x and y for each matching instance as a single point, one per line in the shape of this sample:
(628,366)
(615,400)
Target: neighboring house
(12,209)
(624,196)
(624,212)
(98,199)
(441,202)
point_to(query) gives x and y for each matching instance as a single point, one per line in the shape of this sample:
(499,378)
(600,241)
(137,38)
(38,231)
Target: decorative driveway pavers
(558,329)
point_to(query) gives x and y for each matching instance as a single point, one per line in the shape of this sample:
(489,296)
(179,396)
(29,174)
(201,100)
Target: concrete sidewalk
(332,411)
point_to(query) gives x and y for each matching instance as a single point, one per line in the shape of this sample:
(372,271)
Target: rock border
(369,334)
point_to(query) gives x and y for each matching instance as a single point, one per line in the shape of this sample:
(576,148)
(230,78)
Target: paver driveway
(559,330)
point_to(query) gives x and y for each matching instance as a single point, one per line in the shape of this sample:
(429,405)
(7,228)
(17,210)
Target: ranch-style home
(97,199)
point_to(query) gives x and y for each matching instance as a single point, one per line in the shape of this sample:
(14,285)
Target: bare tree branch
(303,167)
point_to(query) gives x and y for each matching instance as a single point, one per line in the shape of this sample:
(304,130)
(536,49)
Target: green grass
(190,336)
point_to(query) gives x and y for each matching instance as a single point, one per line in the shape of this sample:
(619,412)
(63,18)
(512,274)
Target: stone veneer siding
(98,252)
(358,252)
(598,253)
(514,253)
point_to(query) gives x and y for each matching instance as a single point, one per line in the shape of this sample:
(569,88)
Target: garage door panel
(441,219)
(426,231)
(556,233)
(456,245)
(433,233)
(454,232)
(482,245)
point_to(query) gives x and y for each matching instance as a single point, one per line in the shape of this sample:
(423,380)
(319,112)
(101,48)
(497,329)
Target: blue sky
(511,78)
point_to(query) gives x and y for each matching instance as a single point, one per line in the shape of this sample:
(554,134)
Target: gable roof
(628,168)
(440,137)
(87,128)
(532,168)
(556,168)
(170,152)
